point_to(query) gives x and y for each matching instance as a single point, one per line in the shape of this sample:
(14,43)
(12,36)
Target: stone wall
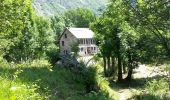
(69,40)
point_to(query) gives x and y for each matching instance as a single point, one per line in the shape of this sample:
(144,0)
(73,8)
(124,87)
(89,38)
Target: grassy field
(38,80)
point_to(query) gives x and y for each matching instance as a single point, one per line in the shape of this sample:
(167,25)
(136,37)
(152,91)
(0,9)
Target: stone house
(82,36)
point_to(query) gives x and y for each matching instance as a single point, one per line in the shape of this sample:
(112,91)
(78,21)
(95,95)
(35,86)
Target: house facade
(84,39)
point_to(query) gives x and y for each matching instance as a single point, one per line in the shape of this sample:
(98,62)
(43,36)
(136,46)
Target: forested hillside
(52,7)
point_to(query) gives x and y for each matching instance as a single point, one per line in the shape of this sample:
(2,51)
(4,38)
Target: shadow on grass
(137,83)
(149,97)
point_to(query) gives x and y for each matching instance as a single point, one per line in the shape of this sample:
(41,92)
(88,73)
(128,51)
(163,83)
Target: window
(83,41)
(81,49)
(62,43)
(80,41)
(65,35)
(94,48)
(91,41)
(66,52)
(94,42)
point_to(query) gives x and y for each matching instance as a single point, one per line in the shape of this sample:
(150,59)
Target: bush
(53,54)
(96,96)
(96,85)
(88,74)
(90,79)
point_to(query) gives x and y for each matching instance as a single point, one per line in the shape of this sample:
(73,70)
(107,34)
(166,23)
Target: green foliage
(44,37)
(167,69)
(151,51)
(97,96)
(149,18)
(57,25)
(39,80)
(79,17)
(29,35)
(13,18)
(130,32)
(12,87)
(75,49)
(156,90)
(71,18)
(33,43)
(96,85)
(88,74)
(158,87)
(52,54)
(27,40)
(116,39)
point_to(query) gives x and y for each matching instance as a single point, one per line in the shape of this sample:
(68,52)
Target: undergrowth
(38,80)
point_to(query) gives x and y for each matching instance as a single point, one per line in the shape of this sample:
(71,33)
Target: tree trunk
(129,76)
(119,61)
(130,67)
(165,43)
(113,65)
(104,61)
(109,66)
(119,68)
(124,67)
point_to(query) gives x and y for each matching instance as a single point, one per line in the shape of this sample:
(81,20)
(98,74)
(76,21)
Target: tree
(151,17)
(26,35)
(116,38)
(44,36)
(107,32)
(99,28)
(17,16)
(150,20)
(12,19)
(57,25)
(79,17)
(75,48)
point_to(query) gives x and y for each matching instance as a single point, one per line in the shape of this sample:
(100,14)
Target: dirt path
(142,72)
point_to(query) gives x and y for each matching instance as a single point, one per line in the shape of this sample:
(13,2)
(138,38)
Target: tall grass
(155,90)
(38,80)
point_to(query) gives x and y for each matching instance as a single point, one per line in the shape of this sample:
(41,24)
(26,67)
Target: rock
(59,63)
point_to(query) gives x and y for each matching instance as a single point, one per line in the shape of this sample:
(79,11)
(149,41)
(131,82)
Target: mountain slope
(52,7)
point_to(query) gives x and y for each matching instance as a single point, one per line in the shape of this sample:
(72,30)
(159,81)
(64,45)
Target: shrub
(96,96)
(88,74)
(53,54)
(96,85)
